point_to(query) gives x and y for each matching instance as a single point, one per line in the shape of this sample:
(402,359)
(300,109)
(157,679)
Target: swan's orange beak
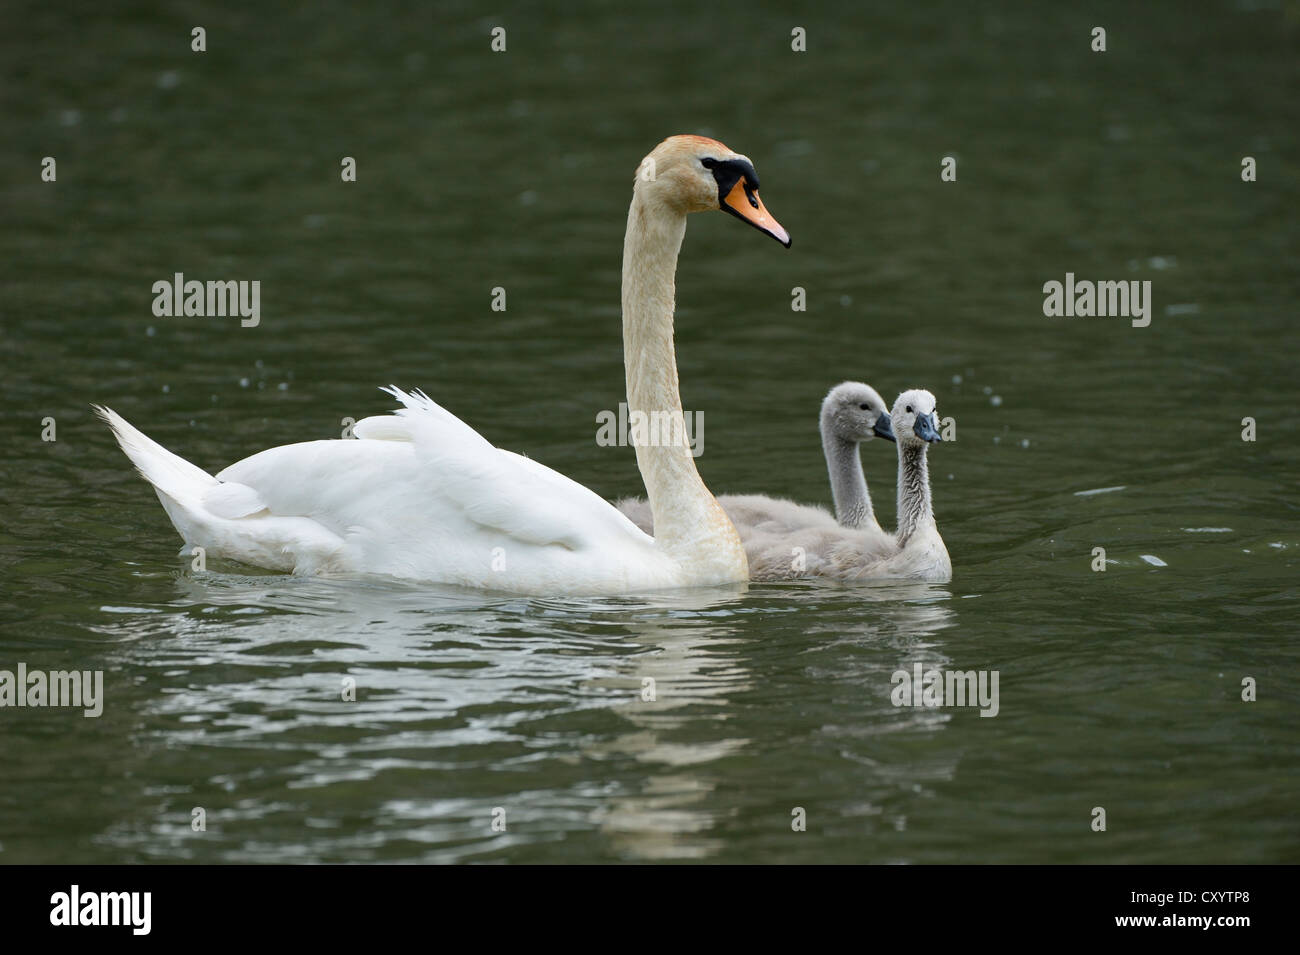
(744,203)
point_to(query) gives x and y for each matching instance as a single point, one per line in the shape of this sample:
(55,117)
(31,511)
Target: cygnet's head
(855,412)
(915,418)
(696,174)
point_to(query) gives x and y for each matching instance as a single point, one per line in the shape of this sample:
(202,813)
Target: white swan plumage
(422,495)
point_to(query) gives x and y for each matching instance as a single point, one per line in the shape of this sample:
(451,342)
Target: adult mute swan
(915,551)
(851,413)
(422,495)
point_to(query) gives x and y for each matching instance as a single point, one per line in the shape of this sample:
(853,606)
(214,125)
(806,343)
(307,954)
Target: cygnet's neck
(915,511)
(848,484)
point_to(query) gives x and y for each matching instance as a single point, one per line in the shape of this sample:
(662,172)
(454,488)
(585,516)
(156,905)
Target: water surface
(1119,689)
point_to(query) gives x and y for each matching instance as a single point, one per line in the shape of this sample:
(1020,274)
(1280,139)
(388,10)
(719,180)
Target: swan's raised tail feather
(169,473)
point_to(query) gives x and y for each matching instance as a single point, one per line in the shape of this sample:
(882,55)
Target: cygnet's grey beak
(925,428)
(884,428)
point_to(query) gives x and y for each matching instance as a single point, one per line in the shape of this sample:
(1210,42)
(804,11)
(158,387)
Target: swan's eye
(708,163)
(863,407)
(909,409)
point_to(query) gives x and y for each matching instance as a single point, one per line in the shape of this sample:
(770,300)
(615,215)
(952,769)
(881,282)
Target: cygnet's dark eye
(909,409)
(863,407)
(708,163)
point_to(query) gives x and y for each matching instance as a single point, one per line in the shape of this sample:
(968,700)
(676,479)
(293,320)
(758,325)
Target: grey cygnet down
(916,552)
(824,549)
(851,414)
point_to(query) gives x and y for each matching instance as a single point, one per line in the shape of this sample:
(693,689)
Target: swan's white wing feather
(232,501)
(579,496)
(419,495)
(434,499)
(507,492)
(384,427)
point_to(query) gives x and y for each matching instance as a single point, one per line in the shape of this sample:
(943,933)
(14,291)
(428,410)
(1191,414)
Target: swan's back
(419,495)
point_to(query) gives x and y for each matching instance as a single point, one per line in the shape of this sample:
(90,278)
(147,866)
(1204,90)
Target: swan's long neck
(848,484)
(688,522)
(915,511)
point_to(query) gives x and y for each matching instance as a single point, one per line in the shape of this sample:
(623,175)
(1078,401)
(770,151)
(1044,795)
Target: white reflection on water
(454,681)
(669,817)
(691,668)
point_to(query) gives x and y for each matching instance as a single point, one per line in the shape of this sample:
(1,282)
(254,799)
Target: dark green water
(1119,689)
